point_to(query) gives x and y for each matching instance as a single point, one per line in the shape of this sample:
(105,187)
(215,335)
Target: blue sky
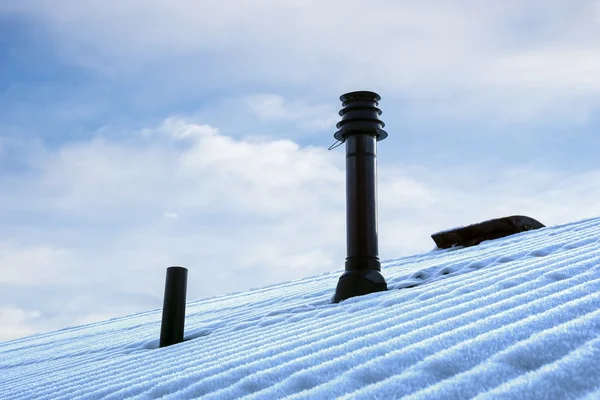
(140,135)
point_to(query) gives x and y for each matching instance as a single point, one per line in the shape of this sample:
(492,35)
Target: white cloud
(268,107)
(596,12)
(93,235)
(180,130)
(510,59)
(14,323)
(273,108)
(39,263)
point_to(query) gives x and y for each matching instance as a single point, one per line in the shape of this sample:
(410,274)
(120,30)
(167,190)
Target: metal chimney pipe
(361,129)
(173,316)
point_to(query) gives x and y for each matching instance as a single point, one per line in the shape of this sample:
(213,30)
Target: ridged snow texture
(515,318)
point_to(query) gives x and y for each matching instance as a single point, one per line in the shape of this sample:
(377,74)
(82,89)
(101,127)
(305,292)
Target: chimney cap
(360,94)
(360,116)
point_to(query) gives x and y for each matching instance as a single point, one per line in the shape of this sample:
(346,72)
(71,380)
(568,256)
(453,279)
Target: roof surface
(517,317)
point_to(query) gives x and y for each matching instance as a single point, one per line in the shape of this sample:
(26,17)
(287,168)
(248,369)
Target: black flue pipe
(173,316)
(361,129)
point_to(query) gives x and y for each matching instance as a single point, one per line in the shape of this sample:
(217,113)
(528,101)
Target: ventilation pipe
(361,129)
(173,316)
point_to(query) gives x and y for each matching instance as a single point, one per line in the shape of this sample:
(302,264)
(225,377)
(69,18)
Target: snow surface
(513,318)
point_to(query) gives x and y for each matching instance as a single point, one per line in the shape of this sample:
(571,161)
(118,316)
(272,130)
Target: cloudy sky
(142,134)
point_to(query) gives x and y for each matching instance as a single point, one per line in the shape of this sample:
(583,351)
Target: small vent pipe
(361,129)
(173,316)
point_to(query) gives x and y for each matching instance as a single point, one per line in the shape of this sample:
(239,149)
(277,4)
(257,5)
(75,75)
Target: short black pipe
(173,316)
(361,129)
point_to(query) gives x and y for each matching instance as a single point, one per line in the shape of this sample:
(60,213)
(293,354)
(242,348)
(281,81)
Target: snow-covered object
(515,318)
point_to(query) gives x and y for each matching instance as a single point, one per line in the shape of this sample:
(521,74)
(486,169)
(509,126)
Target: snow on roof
(517,317)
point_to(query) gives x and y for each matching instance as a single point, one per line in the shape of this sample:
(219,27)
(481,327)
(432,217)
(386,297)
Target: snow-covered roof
(517,317)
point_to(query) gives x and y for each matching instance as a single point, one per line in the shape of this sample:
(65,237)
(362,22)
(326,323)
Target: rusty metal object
(488,230)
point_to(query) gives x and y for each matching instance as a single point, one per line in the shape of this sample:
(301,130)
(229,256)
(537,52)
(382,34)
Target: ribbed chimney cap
(360,94)
(360,115)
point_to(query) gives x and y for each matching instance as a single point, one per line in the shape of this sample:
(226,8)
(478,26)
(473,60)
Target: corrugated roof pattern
(517,317)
